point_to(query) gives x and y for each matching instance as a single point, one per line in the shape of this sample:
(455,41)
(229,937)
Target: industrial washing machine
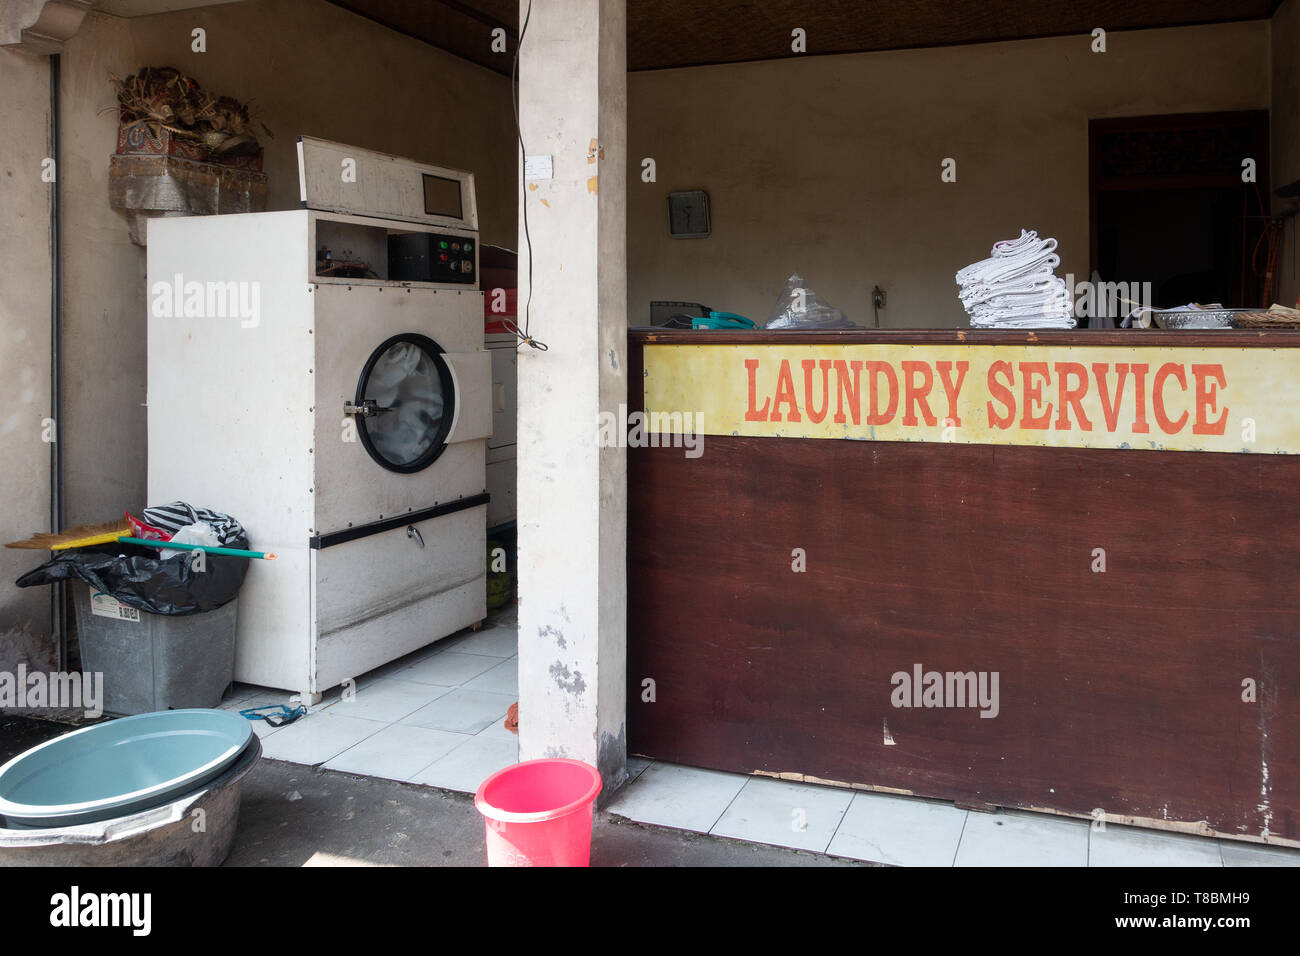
(321,375)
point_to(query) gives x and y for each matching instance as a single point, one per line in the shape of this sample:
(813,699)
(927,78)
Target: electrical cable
(524,336)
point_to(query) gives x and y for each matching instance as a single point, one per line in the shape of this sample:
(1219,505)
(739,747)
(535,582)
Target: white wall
(24,354)
(831,165)
(103,291)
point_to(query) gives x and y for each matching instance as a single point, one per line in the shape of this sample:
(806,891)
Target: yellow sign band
(1150,398)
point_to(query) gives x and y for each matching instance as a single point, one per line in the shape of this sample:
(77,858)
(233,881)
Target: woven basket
(1265,320)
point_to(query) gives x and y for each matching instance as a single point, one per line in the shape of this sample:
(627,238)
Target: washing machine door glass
(404,403)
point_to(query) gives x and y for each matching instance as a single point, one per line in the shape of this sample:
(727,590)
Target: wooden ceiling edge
(954,43)
(437,46)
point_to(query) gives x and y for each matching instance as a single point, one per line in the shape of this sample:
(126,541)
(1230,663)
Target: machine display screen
(442,197)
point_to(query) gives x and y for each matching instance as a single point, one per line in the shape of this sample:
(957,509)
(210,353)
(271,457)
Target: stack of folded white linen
(1016,287)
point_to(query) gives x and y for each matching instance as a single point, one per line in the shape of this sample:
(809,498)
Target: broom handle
(233,552)
(107,538)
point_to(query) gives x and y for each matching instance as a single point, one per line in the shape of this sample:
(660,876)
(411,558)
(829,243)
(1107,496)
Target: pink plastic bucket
(539,813)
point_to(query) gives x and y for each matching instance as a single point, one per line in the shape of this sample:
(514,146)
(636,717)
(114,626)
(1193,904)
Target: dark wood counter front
(1115,631)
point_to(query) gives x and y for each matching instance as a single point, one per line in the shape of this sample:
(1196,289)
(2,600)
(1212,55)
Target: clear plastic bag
(799,307)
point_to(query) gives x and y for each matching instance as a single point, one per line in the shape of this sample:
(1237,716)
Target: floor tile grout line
(463,743)
(734,796)
(799,783)
(853,795)
(397,721)
(404,680)
(961,836)
(411,778)
(321,763)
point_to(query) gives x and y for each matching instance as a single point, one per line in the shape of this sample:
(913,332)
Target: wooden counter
(1140,608)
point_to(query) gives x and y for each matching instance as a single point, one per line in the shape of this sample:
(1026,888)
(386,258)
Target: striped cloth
(172,517)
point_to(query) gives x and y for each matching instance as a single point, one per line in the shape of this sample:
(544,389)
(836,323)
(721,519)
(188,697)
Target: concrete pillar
(572,499)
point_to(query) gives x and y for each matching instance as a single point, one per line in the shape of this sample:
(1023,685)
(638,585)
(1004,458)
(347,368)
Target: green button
(469,246)
(443,244)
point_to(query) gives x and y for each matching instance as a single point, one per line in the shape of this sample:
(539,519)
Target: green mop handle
(233,552)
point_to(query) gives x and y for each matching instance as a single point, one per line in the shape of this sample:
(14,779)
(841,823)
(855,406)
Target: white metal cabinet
(247,416)
(350,489)
(387,594)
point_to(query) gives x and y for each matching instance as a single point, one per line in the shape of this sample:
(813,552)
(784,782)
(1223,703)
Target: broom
(109,532)
(82,536)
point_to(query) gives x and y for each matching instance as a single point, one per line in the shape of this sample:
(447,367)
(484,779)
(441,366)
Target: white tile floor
(905,831)
(437,717)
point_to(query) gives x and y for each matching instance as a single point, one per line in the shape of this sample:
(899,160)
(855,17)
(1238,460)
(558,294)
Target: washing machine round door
(405,403)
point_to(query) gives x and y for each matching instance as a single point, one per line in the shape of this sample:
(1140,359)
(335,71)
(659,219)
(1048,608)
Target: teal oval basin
(120,766)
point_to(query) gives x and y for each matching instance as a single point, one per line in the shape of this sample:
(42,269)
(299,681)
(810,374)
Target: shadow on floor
(296,816)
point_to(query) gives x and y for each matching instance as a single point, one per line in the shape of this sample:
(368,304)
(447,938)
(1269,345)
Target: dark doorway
(1170,206)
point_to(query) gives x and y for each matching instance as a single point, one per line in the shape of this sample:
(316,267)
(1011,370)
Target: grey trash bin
(155,661)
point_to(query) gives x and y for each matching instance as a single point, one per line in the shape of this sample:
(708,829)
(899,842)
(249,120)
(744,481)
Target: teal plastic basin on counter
(119,767)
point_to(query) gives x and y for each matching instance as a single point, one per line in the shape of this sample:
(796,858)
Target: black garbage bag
(136,576)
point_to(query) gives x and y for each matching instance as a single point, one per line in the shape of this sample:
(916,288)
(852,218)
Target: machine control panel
(392,187)
(432,257)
